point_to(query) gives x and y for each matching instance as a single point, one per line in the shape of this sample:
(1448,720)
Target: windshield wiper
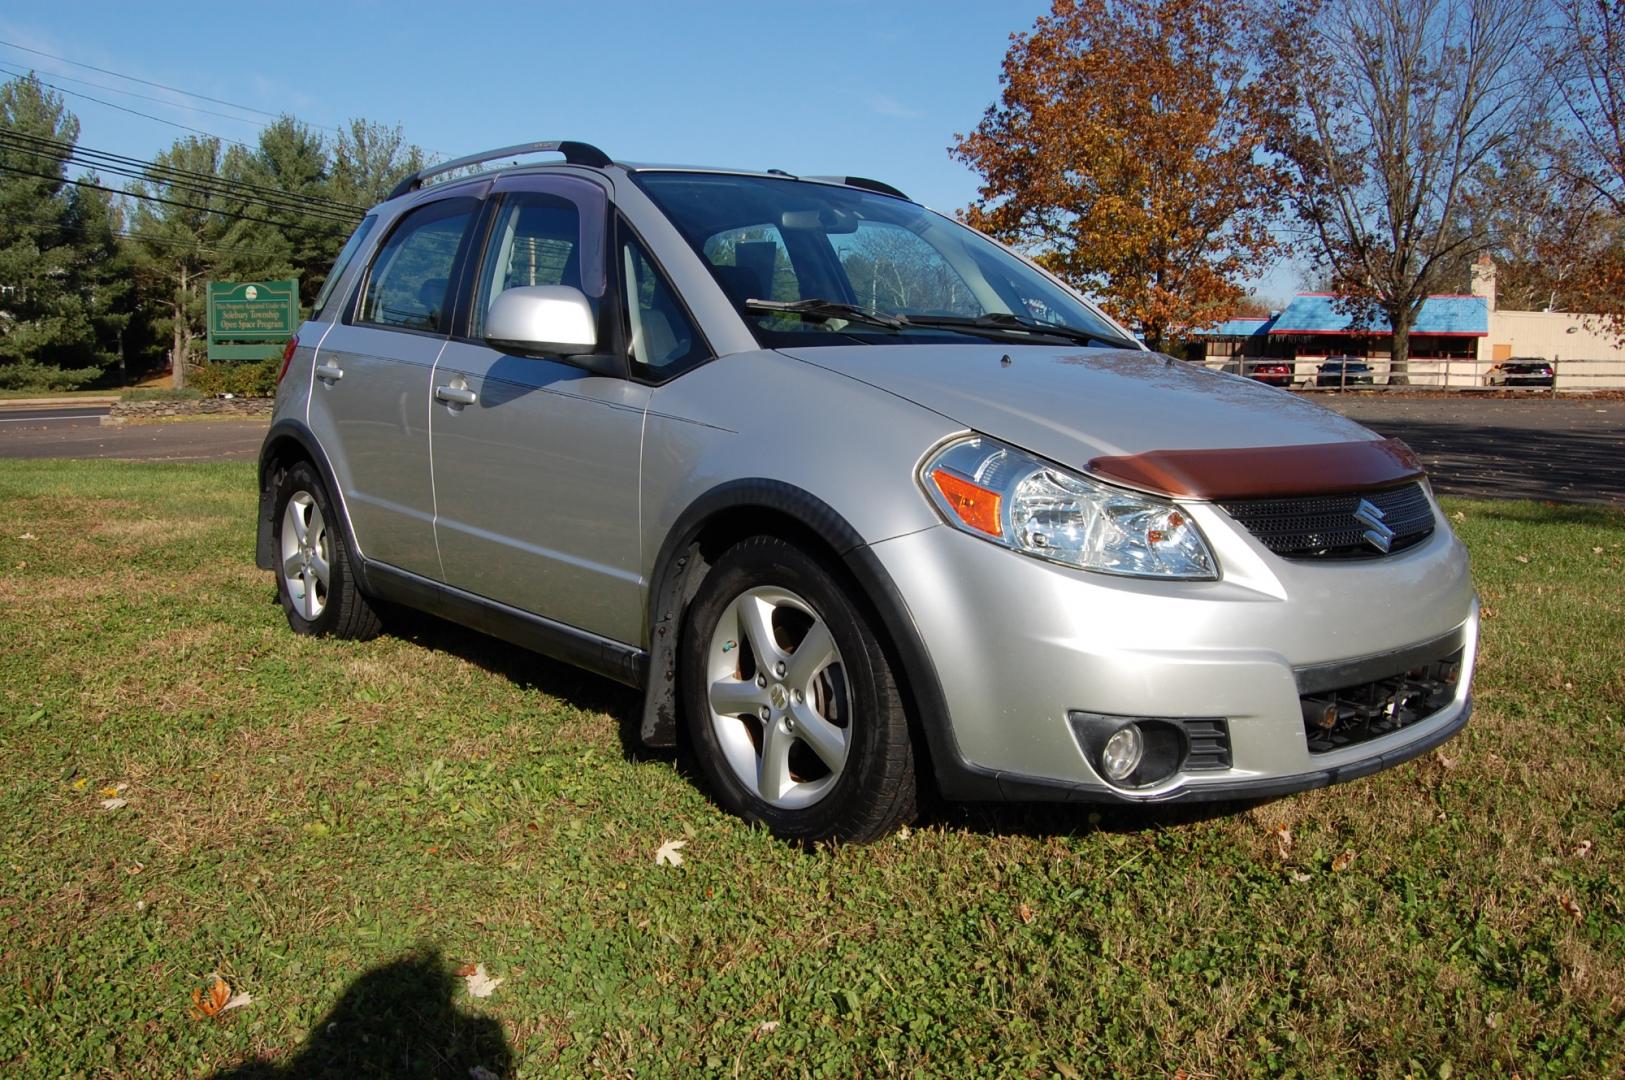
(1003,322)
(818,308)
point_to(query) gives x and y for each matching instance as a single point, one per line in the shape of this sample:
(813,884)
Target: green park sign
(250,320)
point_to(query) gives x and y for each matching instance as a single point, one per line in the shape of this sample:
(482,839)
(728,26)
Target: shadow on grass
(594,693)
(1041,819)
(397,1020)
(530,671)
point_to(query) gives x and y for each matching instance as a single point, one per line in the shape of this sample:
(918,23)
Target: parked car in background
(1269,372)
(797,457)
(1344,371)
(1522,371)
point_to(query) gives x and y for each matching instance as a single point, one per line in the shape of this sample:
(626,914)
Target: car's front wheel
(315,581)
(792,708)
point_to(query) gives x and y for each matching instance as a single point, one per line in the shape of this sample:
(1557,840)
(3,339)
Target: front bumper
(1017,644)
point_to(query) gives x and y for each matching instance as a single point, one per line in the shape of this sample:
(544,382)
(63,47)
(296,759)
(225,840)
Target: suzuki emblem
(1377,532)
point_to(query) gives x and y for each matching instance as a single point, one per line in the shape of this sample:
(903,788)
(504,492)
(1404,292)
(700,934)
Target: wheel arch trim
(283,432)
(680,567)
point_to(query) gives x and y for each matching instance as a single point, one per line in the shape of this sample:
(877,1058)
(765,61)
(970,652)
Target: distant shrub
(239,378)
(28,375)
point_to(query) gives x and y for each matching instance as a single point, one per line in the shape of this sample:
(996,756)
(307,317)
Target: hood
(1073,405)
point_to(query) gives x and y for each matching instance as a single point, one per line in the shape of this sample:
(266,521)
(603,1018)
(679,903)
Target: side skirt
(611,659)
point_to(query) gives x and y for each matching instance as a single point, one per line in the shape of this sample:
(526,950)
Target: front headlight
(1037,508)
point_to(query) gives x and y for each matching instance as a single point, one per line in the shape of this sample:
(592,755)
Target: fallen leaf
(1283,840)
(1582,849)
(1068,1071)
(212,1001)
(479,983)
(134,868)
(28,536)
(1300,878)
(1596,551)
(1024,913)
(466,970)
(1570,905)
(1486,612)
(115,804)
(667,855)
(904,833)
(1521,558)
(1343,861)
(1447,762)
(237,1001)
(1458,516)
(766,1027)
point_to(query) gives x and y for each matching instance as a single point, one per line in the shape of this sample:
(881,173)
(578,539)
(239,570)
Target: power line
(132,112)
(207,191)
(152,171)
(159,199)
(149,82)
(177,90)
(146,97)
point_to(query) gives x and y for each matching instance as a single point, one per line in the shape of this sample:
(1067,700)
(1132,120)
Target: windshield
(830,265)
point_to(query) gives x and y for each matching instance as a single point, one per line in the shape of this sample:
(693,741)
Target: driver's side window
(533,241)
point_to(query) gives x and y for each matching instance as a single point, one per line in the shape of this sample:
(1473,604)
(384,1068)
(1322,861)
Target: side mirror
(541,320)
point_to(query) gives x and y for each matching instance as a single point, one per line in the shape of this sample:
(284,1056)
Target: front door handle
(457,395)
(330,372)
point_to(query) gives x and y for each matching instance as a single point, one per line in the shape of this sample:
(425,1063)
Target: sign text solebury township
(250,310)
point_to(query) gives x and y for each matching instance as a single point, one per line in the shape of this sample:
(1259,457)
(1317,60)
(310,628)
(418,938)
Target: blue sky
(870,88)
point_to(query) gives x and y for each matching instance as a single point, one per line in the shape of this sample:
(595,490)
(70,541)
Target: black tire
(875,790)
(343,611)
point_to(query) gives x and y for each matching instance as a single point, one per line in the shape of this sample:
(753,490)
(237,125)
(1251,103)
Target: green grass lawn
(335,829)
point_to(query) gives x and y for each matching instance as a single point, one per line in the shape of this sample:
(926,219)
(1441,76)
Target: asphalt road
(1569,449)
(77,432)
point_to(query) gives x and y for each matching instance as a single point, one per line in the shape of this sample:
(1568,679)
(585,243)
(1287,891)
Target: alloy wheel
(779,700)
(306,555)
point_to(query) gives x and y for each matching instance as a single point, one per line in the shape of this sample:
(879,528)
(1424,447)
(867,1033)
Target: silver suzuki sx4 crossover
(859,498)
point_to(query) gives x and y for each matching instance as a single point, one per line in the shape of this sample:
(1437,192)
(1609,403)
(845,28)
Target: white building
(1583,349)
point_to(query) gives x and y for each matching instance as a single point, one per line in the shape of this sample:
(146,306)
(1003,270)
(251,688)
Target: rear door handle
(457,395)
(331,372)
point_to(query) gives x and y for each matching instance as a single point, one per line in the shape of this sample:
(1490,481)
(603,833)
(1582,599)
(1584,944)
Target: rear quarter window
(347,255)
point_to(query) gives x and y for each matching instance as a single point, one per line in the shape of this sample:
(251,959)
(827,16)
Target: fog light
(1122,753)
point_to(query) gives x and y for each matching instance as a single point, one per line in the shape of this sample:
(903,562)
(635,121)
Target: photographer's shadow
(397,1020)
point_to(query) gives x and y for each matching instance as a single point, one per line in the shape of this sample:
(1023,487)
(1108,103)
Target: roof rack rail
(576,153)
(865,183)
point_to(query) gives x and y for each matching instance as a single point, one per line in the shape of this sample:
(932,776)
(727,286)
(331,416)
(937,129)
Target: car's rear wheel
(315,581)
(791,705)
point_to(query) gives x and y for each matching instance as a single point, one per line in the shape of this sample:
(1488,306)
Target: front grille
(1333,719)
(1324,526)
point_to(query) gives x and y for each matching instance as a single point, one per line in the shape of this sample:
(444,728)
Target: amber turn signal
(975,505)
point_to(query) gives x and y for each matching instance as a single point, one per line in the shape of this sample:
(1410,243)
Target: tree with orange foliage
(1588,60)
(1123,154)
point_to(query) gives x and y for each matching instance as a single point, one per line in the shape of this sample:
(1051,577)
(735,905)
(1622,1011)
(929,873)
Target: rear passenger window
(410,284)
